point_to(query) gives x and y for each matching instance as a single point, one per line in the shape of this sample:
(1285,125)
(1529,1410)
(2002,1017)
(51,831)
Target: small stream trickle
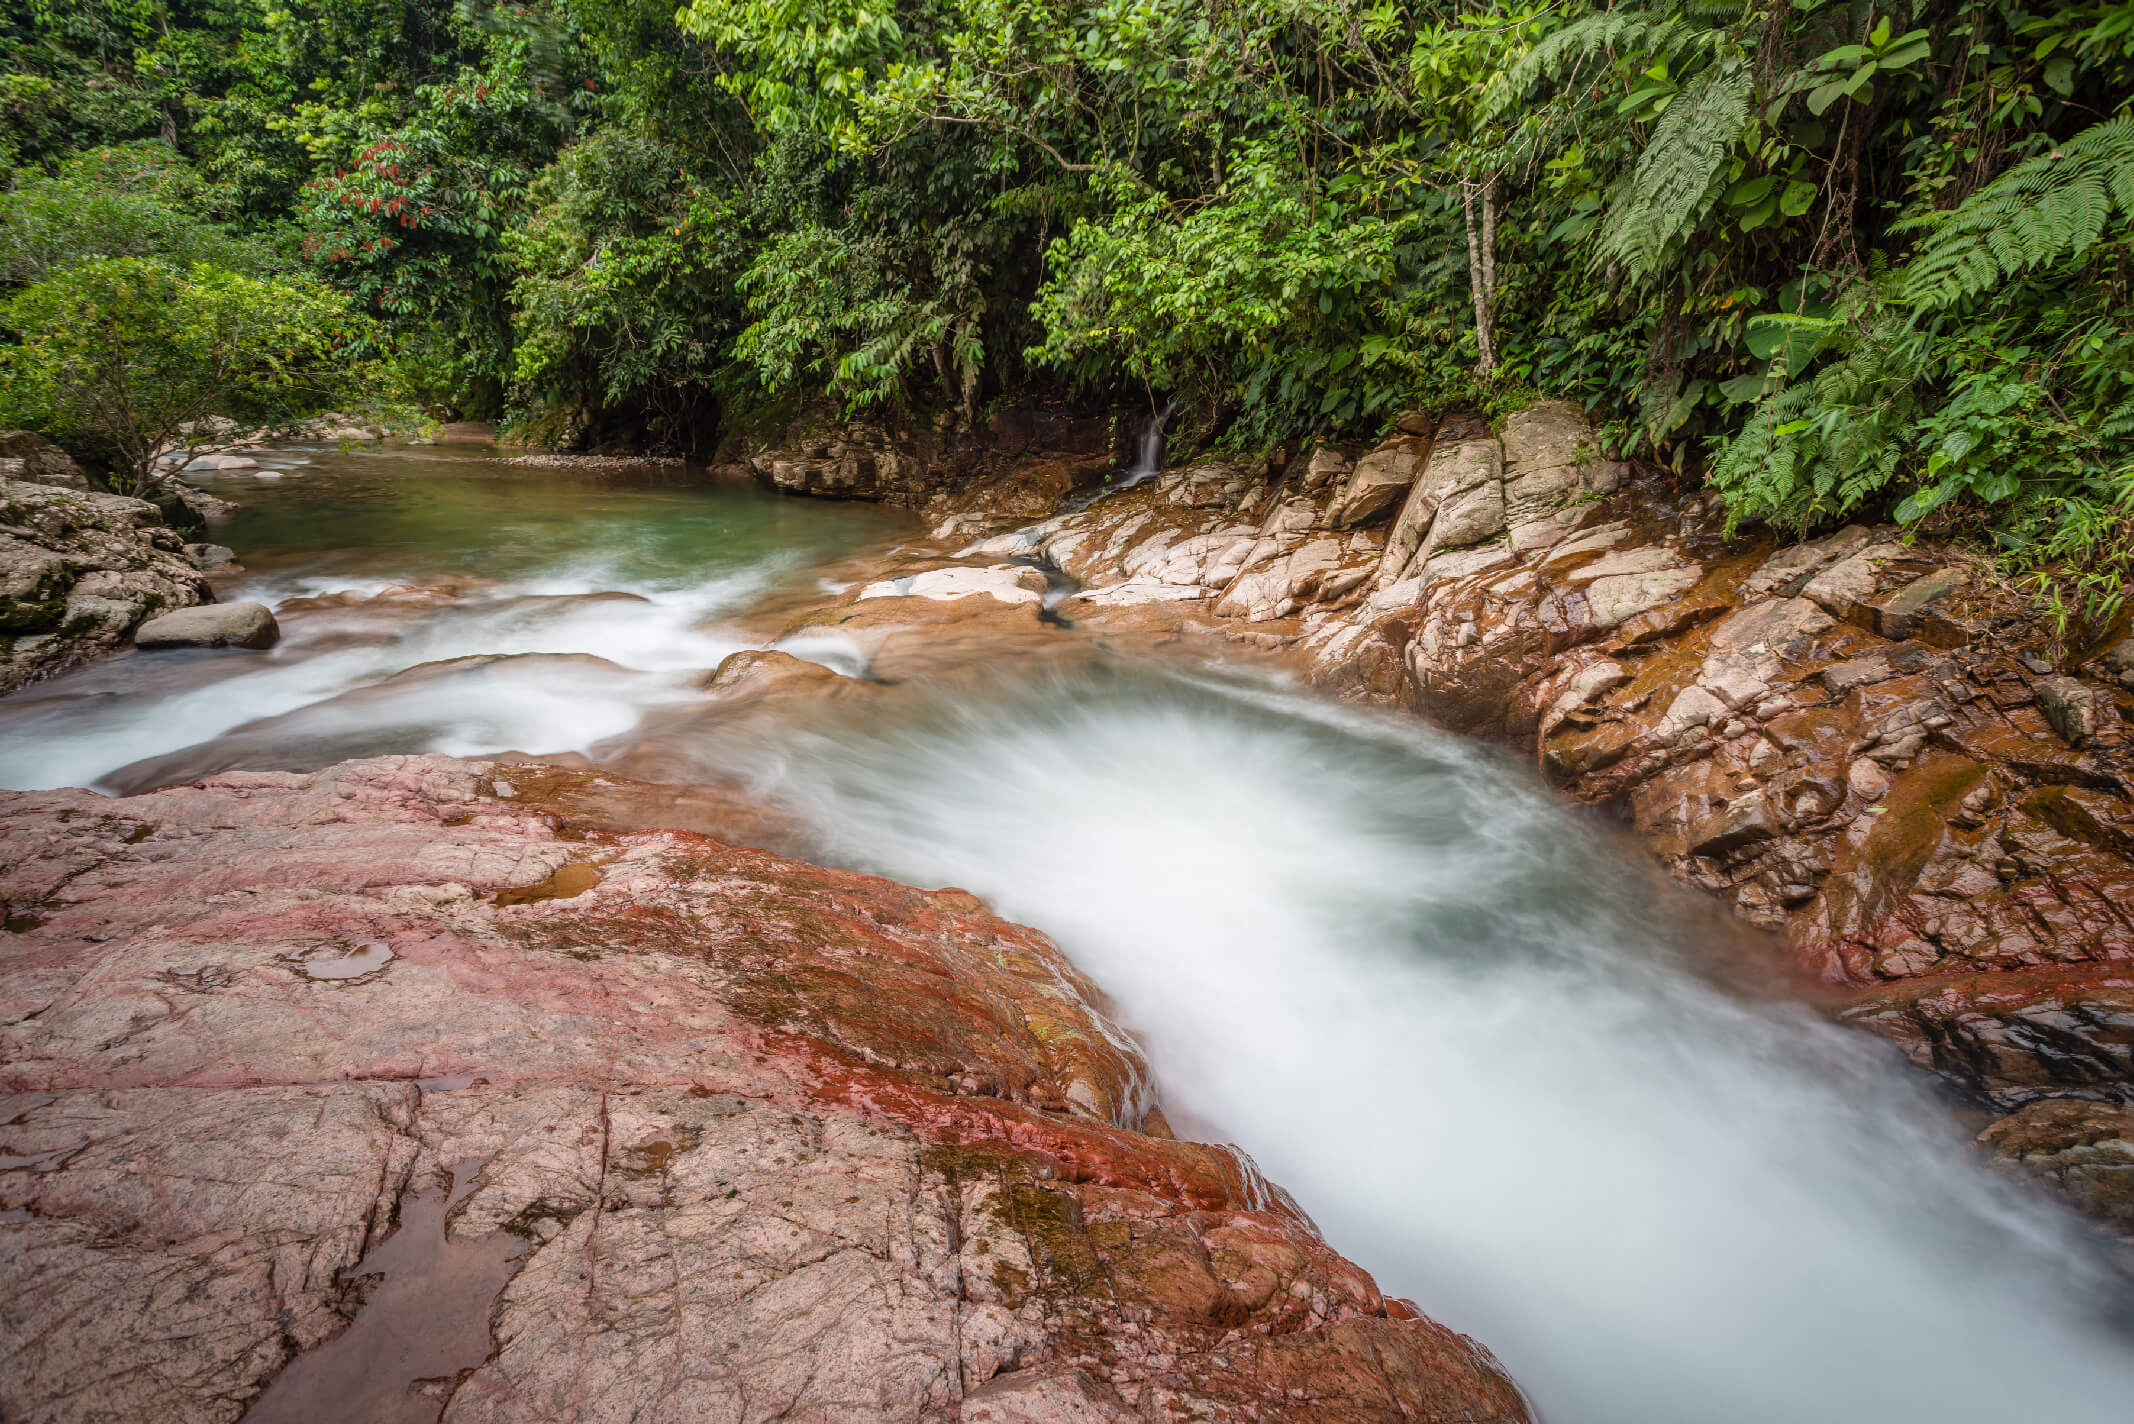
(1148,463)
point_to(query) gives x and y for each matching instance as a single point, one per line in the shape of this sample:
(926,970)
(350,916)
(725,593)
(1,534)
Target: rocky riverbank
(1864,743)
(671,1129)
(79,569)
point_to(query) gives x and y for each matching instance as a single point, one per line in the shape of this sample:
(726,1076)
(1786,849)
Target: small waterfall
(1148,461)
(1148,451)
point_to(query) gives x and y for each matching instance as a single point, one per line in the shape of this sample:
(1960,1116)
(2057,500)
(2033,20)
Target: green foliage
(623,289)
(1674,183)
(2053,205)
(135,201)
(128,358)
(1847,259)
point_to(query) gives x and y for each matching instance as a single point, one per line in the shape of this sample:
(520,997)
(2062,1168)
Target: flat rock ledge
(759,1140)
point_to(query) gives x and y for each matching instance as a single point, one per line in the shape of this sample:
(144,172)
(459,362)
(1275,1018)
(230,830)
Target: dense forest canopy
(1831,256)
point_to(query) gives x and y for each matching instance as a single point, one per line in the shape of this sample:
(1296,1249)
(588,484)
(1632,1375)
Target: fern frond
(2047,207)
(1672,185)
(1647,32)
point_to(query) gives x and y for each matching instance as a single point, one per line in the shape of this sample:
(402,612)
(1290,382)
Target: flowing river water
(1502,1063)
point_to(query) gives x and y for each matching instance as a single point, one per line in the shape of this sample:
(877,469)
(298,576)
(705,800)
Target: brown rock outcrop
(28,456)
(712,1133)
(1032,454)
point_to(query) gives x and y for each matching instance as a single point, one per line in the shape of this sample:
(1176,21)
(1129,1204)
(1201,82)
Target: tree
(130,360)
(136,200)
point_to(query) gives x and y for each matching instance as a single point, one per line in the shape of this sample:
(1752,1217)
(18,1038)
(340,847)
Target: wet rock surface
(713,1133)
(79,571)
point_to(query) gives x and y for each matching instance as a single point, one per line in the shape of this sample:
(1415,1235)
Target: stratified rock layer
(778,1142)
(1032,454)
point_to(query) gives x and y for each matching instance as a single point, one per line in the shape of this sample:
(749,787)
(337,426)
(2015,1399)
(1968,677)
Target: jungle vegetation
(1836,257)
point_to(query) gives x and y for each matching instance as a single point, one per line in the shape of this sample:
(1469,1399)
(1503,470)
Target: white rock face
(1622,596)
(1801,560)
(1010,583)
(1650,559)
(1140,590)
(1453,469)
(1844,588)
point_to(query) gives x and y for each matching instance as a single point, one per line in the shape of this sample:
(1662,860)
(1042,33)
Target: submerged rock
(737,1131)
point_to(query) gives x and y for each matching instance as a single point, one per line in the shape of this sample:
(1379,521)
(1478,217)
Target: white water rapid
(1472,1033)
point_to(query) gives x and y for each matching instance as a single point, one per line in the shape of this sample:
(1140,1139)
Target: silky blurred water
(1502,1064)
(616,580)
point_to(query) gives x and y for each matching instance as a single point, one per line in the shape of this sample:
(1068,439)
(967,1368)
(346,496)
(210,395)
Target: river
(1502,1063)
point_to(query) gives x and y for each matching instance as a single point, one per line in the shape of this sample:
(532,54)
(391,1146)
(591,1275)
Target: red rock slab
(771,1140)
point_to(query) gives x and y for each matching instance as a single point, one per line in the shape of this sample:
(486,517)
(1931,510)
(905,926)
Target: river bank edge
(1363,578)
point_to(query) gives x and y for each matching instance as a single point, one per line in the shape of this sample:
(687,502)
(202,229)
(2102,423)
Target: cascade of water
(1473,1037)
(1148,454)
(1148,462)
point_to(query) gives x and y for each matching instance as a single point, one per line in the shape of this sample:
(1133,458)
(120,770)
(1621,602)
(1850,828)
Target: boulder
(25,455)
(754,671)
(2074,708)
(211,625)
(1901,614)
(1377,483)
(1847,588)
(1326,466)
(211,556)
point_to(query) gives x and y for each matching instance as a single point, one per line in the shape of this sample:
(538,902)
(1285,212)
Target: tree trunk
(1482,265)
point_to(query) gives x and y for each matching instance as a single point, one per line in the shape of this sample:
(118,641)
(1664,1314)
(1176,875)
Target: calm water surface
(525,609)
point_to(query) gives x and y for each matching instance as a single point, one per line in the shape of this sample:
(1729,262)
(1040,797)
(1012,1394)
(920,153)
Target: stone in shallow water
(211,625)
(1010,583)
